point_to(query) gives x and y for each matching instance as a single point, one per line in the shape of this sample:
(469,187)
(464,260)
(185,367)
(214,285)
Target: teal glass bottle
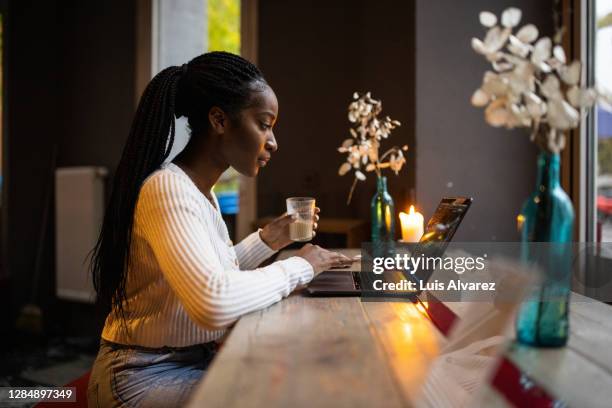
(382,211)
(547,216)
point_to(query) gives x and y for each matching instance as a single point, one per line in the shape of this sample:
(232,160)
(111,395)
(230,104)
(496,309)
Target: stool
(81,395)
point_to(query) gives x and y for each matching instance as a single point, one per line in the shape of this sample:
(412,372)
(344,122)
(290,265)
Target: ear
(218,119)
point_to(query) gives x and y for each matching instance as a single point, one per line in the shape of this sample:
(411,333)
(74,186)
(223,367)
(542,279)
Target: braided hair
(213,79)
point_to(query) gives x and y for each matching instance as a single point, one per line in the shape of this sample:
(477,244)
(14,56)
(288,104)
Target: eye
(265,126)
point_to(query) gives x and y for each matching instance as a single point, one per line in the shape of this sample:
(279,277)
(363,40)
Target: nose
(271,145)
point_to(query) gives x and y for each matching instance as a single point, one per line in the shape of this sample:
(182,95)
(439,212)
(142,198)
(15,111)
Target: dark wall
(33,122)
(71,85)
(98,49)
(315,56)
(457,152)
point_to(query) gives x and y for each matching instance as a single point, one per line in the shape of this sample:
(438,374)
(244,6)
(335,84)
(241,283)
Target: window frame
(579,157)
(589,124)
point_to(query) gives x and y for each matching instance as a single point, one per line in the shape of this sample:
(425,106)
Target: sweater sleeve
(174,226)
(252,251)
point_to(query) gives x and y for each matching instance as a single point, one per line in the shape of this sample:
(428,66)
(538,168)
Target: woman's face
(248,142)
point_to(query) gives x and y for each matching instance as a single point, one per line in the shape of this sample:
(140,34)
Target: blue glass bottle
(383,218)
(547,216)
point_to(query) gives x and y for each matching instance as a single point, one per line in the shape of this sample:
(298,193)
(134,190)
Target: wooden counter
(341,352)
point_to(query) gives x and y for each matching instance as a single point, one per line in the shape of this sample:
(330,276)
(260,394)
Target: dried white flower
(488,19)
(570,74)
(535,105)
(478,46)
(561,115)
(366,135)
(496,113)
(511,17)
(541,53)
(528,33)
(344,168)
(495,39)
(494,84)
(551,87)
(480,98)
(347,143)
(532,85)
(559,54)
(581,98)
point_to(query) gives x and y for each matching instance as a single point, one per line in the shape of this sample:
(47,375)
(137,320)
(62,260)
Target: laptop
(440,229)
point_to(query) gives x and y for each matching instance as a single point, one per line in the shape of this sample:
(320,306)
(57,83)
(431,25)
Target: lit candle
(412,225)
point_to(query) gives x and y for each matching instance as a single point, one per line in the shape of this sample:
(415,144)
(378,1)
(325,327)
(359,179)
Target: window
(224,25)
(172,32)
(599,124)
(224,35)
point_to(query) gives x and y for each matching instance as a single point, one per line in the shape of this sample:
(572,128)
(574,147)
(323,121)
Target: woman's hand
(322,259)
(276,233)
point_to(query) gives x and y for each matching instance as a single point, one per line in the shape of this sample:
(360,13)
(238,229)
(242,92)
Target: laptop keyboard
(357,280)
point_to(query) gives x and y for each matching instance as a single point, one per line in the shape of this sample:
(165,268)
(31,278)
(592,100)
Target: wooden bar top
(341,352)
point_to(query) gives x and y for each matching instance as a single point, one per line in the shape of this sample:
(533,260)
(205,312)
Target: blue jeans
(133,376)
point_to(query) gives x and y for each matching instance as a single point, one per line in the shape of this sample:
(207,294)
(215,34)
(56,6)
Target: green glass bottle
(547,216)
(382,211)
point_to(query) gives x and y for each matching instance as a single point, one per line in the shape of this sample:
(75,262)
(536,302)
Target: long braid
(213,79)
(144,152)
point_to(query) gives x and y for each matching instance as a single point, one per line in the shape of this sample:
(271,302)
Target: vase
(547,217)
(382,211)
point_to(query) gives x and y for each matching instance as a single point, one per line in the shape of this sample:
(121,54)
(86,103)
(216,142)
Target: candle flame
(520,220)
(411,211)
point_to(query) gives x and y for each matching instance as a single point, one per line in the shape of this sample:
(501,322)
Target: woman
(164,263)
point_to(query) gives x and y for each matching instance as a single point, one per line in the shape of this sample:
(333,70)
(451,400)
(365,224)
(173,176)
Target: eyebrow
(267,113)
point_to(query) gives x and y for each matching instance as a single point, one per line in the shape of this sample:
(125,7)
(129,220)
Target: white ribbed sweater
(187,283)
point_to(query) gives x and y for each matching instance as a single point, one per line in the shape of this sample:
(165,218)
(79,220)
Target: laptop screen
(440,230)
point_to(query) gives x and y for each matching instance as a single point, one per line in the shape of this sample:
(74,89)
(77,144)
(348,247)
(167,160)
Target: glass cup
(301,229)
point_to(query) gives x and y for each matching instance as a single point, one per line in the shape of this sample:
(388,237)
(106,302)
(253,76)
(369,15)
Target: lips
(263,161)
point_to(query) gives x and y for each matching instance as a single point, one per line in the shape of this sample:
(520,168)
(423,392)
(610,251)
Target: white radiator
(79,209)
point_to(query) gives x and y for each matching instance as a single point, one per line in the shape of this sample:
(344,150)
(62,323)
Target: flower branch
(362,148)
(532,84)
